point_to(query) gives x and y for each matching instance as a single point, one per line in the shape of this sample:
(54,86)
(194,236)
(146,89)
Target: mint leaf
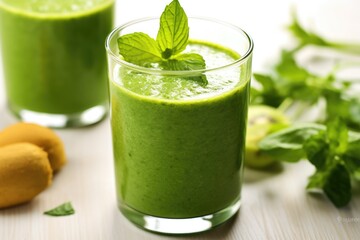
(337,134)
(316,181)
(353,165)
(305,37)
(186,62)
(62,210)
(139,48)
(287,144)
(341,105)
(317,150)
(268,93)
(290,70)
(173,34)
(353,148)
(351,157)
(337,186)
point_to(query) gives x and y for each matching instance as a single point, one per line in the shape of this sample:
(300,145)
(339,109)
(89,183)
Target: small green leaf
(353,148)
(187,62)
(305,37)
(353,165)
(287,144)
(290,70)
(338,104)
(316,181)
(173,34)
(351,157)
(337,134)
(337,186)
(139,48)
(268,94)
(62,210)
(317,150)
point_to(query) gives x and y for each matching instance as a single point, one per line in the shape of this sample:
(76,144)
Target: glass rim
(154,71)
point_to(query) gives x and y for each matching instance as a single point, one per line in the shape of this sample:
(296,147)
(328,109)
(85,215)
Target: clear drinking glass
(178,144)
(53,60)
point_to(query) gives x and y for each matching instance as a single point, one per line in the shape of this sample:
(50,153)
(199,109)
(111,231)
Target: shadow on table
(24,208)
(321,203)
(254,175)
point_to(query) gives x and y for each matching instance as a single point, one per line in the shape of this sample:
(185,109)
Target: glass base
(179,225)
(85,118)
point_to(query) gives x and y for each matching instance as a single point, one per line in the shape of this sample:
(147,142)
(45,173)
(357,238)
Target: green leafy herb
(173,34)
(287,145)
(290,82)
(62,210)
(310,38)
(333,150)
(337,186)
(166,50)
(139,48)
(293,82)
(316,149)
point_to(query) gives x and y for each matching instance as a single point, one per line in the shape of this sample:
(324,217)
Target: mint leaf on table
(337,186)
(267,93)
(61,210)
(337,134)
(317,150)
(341,105)
(173,34)
(172,39)
(287,144)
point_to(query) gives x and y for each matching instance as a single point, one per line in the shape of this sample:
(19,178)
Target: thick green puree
(179,146)
(53,55)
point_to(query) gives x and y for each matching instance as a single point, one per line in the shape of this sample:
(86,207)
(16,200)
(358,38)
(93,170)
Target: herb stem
(351,48)
(285,105)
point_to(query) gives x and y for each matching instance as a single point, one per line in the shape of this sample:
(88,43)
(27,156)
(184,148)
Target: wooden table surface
(275,204)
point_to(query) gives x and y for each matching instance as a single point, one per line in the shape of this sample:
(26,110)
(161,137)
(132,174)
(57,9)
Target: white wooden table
(275,205)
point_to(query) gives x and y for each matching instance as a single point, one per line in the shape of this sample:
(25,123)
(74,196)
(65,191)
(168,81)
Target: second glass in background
(54,62)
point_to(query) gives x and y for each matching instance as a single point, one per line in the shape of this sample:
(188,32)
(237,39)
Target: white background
(275,205)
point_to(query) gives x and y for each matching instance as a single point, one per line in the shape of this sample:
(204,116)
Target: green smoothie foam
(179,146)
(53,55)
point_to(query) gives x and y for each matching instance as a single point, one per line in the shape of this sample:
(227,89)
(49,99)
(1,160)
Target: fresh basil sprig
(166,51)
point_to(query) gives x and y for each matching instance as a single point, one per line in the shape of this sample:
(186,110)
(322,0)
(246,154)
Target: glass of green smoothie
(179,135)
(53,59)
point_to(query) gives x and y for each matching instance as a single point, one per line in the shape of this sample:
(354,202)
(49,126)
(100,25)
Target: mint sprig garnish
(166,51)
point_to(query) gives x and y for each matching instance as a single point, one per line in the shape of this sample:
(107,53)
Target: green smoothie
(179,146)
(53,55)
